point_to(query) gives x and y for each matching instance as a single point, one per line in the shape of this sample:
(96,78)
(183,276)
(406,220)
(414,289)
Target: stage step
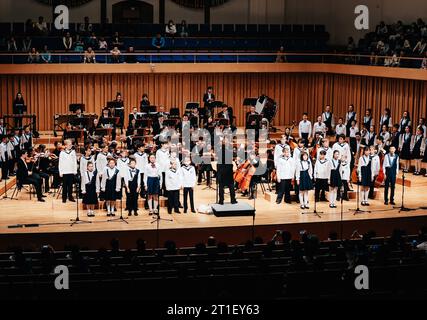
(10,183)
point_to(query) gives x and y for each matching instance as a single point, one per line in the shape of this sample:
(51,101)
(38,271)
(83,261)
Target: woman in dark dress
(405,147)
(89,188)
(18,109)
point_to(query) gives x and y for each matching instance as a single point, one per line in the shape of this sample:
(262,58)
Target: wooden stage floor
(53,220)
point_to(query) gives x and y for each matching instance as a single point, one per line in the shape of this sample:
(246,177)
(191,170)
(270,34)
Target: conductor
(225,173)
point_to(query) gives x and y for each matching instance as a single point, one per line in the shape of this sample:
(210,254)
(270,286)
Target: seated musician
(133,114)
(35,166)
(227,114)
(92,130)
(158,125)
(79,113)
(107,122)
(118,110)
(132,127)
(25,176)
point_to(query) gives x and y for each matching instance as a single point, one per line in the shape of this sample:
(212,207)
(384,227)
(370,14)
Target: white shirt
(162,159)
(353,132)
(87,178)
(278,151)
(285,168)
(375,165)
(345,170)
(388,162)
(123,165)
(344,149)
(67,162)
(329,153)
(349,115)
(101,162)
(304,127)
(297,153)
(341,129)
(141,161)
(129,175)
(326,115)
(83,164)
(108,174)
(173,179)
(322,169)
(384,119)
(319,127)
(303,166)
(188,176)
(151,171)
(5,148)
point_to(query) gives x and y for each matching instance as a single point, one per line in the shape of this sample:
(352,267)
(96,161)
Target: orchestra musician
(145,102)
(133,115)
(107,122)
(26,176)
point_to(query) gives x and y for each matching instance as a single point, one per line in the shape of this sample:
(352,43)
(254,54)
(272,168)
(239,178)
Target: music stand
(102,132)
(249,102)
(192,105)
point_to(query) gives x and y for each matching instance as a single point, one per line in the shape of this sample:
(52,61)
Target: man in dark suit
(158,125)
(24,176)
(225,173)
(208,97)
(252,123)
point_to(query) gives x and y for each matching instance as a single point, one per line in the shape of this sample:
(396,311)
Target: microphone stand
(402,207)
(120,218)
(156,219)
(77,220)
(315,212)
(358,210)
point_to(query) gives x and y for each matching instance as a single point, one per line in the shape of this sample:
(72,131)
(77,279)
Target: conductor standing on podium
(225,172)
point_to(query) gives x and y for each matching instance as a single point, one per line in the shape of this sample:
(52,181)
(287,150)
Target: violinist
(133,115)
(26,176)
(145,102)
(40,166)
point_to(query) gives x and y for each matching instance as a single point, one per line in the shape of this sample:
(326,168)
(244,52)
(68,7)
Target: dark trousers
(11,166)
(321,188)
(306,137)
(390,183)
(230,187)
(284,190)
(371,189)
(132,200)
(67,186)
(37,183)
(45,177)
(4,170)
(188,193)
(173,200)
(207,169)
(163,186)
(343,194)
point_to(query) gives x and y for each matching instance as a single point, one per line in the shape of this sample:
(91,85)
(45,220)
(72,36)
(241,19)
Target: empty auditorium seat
(228,29)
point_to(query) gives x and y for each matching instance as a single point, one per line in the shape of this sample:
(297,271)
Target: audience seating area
(279,269)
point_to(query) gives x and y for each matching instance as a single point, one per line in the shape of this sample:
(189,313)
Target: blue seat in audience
(319,28)
(286,29)
(275,29)
(216,30)
(18,28)
(263,29)
(251,29)
(158,28)
(180,43)
(297,28)
(193,30)
(228,29)
(240,29)
(204,30)
(309,28)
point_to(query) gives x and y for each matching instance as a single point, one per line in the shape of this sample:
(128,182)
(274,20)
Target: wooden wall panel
(295,92)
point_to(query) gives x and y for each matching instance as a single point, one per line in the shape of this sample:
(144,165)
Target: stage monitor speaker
(233,210)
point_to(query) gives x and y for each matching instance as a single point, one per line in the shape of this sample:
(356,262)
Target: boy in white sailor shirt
(101,159)
(123,163)
(321,175)
(189,178)
(319,126)
(162,160)
(375,159)
(325,147)
(132,182)
(343,147)
(285,173)
(298,151)
(67,170)
(173,185)
(278,149)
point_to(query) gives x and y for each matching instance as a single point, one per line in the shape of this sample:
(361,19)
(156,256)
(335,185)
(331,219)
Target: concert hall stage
(50,221)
